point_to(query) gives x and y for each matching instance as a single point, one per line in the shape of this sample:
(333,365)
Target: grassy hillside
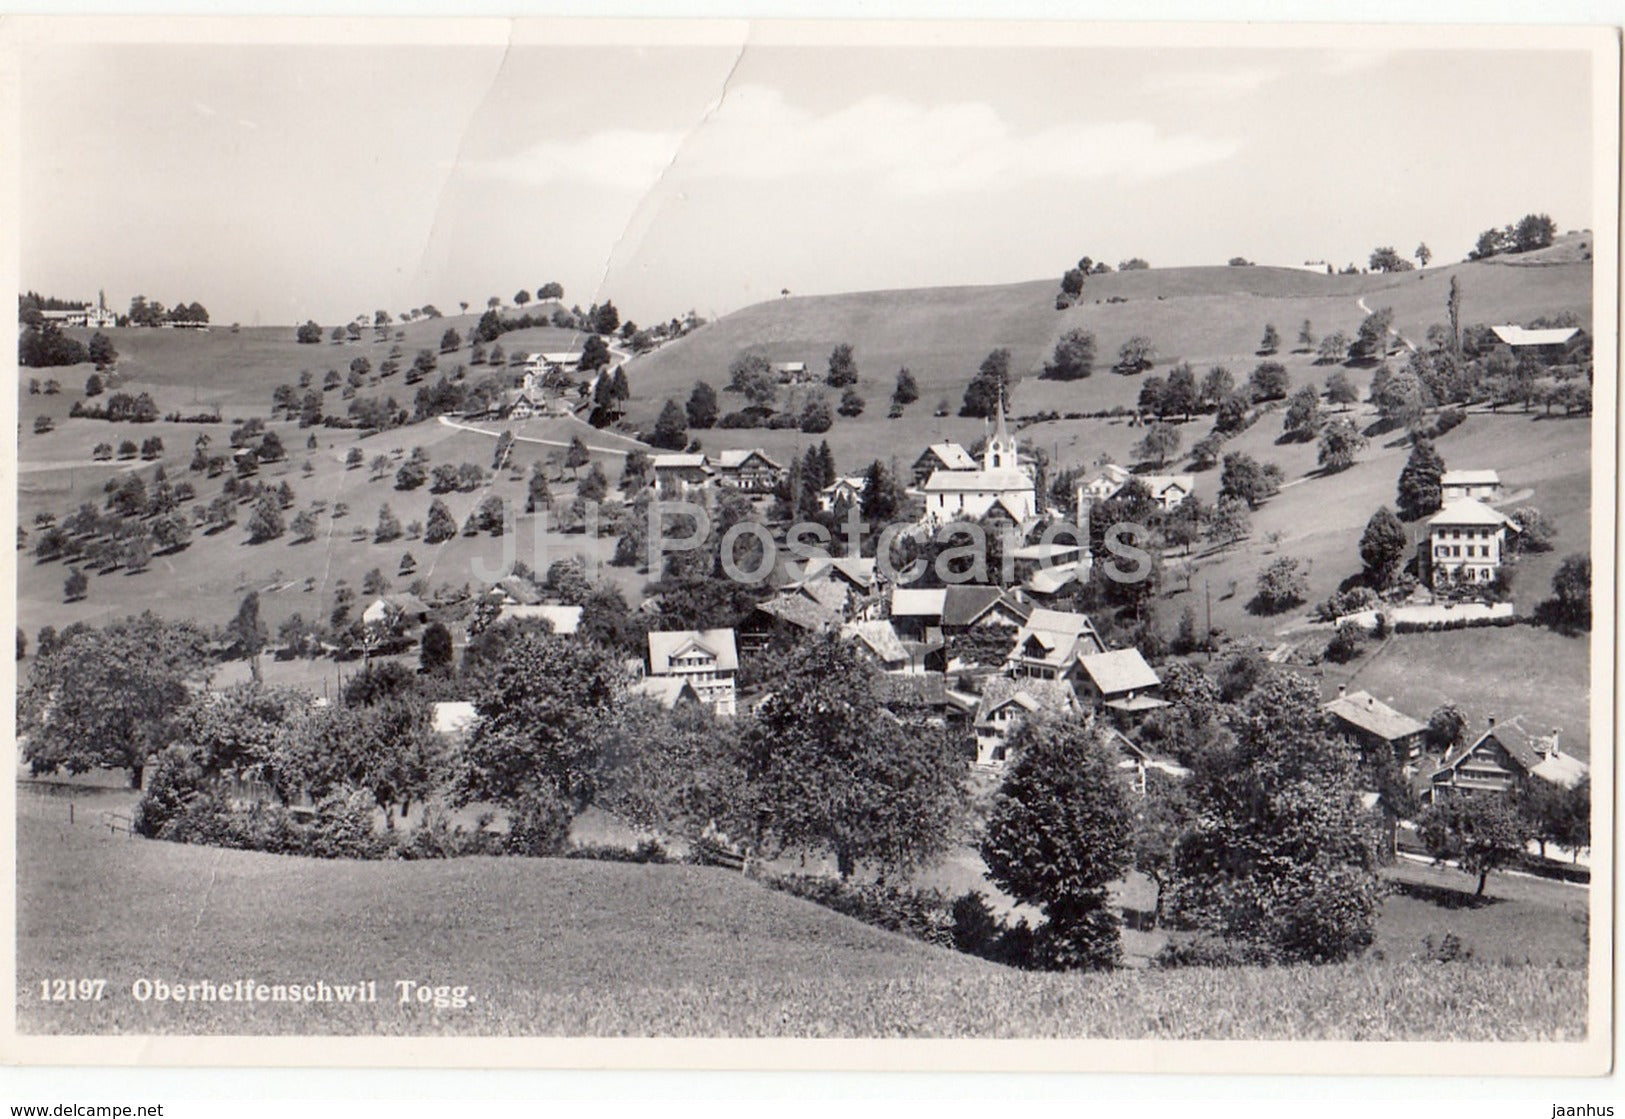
(555,947)
(1206,316)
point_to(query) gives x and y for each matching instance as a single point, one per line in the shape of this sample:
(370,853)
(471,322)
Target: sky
(279,182)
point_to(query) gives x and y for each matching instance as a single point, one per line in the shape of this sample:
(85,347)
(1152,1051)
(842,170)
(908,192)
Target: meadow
(563,947)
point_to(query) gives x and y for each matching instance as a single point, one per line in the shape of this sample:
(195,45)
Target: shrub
(922,914)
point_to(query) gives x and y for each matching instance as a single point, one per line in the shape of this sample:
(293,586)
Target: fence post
(70,813)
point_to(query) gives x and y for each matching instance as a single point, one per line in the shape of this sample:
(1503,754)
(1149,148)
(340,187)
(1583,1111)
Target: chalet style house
(844,491)
(1051,644)
(1373,725)
(941,456)
(1497,763)
(706,659)
(1002,487)
(1466,541)
(748,471)
(1006,702)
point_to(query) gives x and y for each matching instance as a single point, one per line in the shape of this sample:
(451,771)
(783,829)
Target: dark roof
(799,610)
(1368,713)
(1509,736)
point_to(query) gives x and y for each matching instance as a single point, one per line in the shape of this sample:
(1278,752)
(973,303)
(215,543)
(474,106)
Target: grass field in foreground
(552,947)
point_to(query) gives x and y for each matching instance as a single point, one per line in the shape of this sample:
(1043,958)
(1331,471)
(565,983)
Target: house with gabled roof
(1006,702)
(680,473)
(1104,485)
(843,491)
(1466,543)
(1050,644)
(1119,679)
(1496,763)
(1169,491)
(880,643)
(941,456)
(971,605)
(1548,343)
(749,471)
(668,691)
(1481,485)
(1373,725)
(707,659)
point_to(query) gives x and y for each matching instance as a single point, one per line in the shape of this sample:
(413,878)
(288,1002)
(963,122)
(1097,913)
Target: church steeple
(1000,453)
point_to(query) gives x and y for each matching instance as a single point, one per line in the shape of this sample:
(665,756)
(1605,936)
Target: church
(1002,487)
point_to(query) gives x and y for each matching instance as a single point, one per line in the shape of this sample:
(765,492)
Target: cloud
(618,159)
(902,147)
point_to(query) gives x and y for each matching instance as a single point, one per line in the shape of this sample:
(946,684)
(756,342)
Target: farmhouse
(941,456)
(1548,345)
(1498,762)
(1002,484)
(1119,679)
(1373,725)
(880,643)
(707,659)
(1481,485)
(1466,539)
(410,608)
(802,609)
(790,372)
(748,471)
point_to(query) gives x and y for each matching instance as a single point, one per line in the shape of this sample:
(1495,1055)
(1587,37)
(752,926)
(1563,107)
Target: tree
(309,333)
(1244,477)
(701,408)
(1280,855)
(75,586)
(304,526)
(1058,834)
(907,391)
(411,475)
(1161,442)
(246,631)
(1571,590)
(1481,834)
(101,351)
(815,416)
(990,385)
(1339,444)
(1180,394)
(851,403)
(1217,384)
(1423,254)
(1382,548)
(671,430)
(451,341)
(1306,336)
(1420,493)
(1153,399)
(1341,390)
(1302,414)
(106,697)
(829,769)
(1535,530)
(594,354)
(1072,282)
(1333,348)
(43,424)
(1534,231)
(576,456)
(435,654)
(440,526)
(1136,354)
(1371,341)
(1272,340)
(538,494)
(1385,259)
(843,368)
(93,385)
(1074,357)
(1281,585)
(388,527)
(265,523)
(536,746)
(1270,381)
